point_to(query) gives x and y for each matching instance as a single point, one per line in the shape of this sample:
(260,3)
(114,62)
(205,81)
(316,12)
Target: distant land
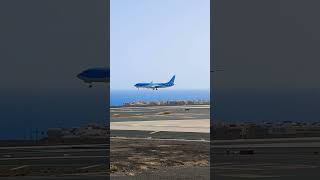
(119,97)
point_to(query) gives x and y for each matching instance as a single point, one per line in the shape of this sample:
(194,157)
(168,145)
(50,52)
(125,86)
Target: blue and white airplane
(95,75)
(155,86)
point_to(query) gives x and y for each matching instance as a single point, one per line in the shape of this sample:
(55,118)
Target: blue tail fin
(171,82)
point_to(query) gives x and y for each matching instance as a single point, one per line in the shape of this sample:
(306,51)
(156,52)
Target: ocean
(23,113)
(119,97)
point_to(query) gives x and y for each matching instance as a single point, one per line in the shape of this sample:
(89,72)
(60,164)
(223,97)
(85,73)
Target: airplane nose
(79,76)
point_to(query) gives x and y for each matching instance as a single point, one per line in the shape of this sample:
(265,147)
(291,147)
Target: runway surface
(275,159)
(193,118)
(187,173)
(271,159)
(67,160)
(198,125)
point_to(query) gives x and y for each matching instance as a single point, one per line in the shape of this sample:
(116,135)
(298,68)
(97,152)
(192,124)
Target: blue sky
(151,40)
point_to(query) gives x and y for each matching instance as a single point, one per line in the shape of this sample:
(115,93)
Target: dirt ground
(132,157)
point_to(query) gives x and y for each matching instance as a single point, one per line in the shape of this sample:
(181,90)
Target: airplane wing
(155,86)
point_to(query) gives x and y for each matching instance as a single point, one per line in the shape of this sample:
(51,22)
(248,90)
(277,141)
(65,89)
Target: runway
(181,118)
(290,159)
(198,125)
(66,160)
(274,159)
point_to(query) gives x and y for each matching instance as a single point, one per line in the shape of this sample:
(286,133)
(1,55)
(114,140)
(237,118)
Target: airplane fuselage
(94,75)
(154,86)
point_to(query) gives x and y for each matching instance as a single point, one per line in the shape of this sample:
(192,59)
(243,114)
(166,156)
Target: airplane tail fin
(171,82)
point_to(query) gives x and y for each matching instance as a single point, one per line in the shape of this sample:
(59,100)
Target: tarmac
(193,118)
(290,159)
(285,159)
(186,173)
(48,161)
(198,125)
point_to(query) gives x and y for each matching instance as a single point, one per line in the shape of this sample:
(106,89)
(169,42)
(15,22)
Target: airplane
(155,86)
(95,75)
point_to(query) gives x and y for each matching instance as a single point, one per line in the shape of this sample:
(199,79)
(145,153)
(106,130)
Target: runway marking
(248,175)
(221,164)
(71,150)
(88,174)
(53,146)
(195,125)
(7,155)
(88,167)
(154,132)
(294,166)
(157,139)
(250,165)
(19,167)
(270,145)
(272,140)
(53,157)
(255,167)
(237,168)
